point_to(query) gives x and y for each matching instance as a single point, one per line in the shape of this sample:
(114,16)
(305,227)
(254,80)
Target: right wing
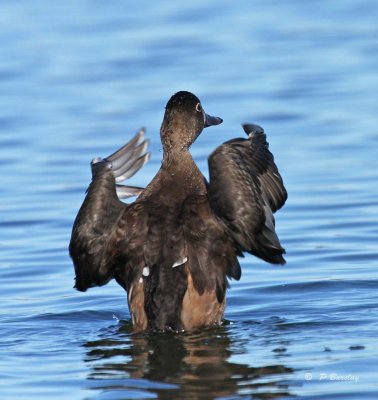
(97,218)
(245,190)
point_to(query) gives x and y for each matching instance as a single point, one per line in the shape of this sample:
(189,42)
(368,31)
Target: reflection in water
(190,366)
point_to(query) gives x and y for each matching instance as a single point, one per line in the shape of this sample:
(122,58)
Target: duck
(175,248)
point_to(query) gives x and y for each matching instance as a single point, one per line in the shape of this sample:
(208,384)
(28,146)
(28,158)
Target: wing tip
(251,129)
(234,271)
(80,287)
(282,261)
(275,259)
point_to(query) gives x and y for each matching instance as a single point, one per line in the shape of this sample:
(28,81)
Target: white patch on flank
(130,292)
(140,280)
(146,271)
(180,261)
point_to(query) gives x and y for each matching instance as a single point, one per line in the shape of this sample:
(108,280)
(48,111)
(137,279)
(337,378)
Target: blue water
(77,79)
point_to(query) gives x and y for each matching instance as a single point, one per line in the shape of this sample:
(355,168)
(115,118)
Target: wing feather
(245,190)
(91,247)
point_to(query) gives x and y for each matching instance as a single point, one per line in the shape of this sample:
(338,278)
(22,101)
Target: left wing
(245,190)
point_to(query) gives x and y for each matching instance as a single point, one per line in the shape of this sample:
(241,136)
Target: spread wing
(245,190)
(92,230)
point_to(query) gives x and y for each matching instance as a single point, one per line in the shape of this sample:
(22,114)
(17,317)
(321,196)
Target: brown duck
(173,249)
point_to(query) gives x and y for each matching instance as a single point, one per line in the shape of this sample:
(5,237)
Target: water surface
(78,79)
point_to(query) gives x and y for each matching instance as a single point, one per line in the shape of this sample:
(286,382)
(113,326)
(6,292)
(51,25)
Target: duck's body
(174,247)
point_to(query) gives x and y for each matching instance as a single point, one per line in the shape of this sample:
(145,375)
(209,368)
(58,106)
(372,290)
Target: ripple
(78,80)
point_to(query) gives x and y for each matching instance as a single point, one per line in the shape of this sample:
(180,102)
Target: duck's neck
(179,167)
(176,157)
(178,178)
(176,137)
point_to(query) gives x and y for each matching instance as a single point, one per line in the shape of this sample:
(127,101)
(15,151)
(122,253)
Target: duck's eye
(199,107)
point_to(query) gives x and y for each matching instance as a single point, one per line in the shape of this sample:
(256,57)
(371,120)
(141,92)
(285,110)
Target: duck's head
(184,120)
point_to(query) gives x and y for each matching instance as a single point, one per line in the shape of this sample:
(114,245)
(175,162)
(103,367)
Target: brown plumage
(173,249)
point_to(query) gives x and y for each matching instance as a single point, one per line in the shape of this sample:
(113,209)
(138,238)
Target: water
(78,79)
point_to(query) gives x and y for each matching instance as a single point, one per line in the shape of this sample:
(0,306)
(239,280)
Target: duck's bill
(210,121)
